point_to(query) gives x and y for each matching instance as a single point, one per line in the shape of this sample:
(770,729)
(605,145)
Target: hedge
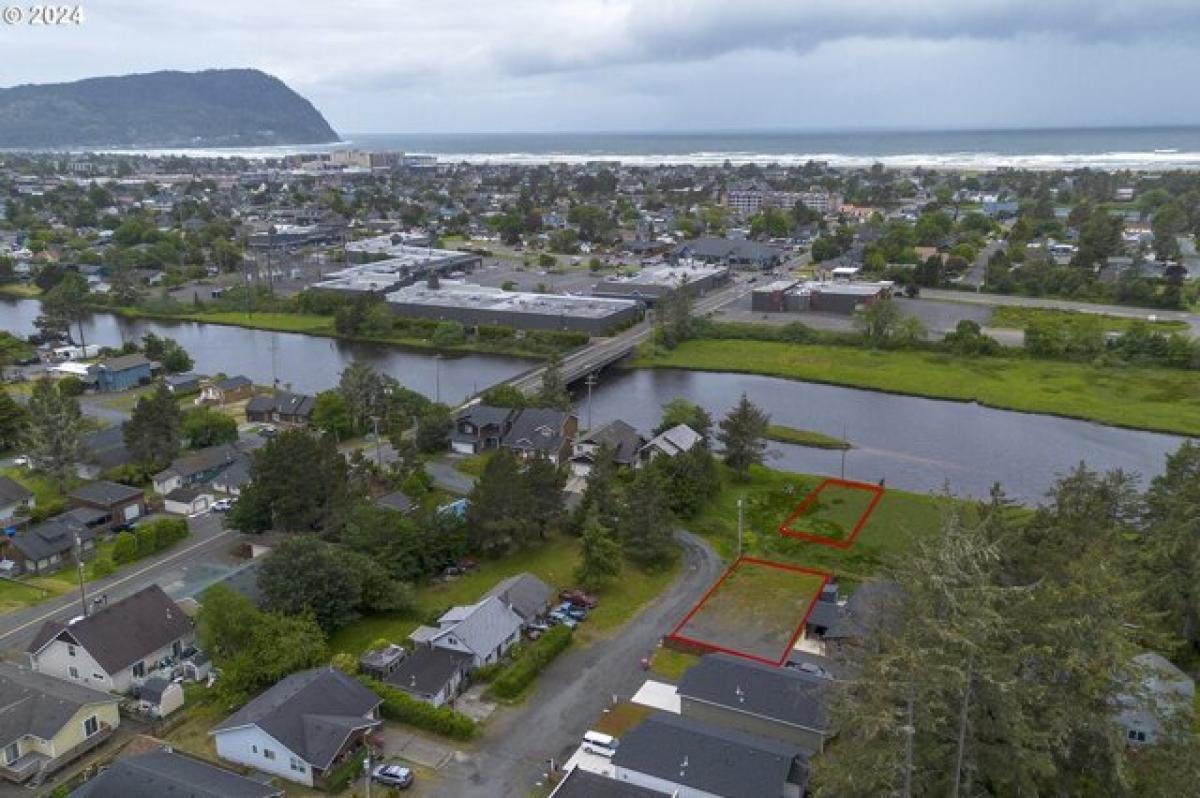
(399,706)
(148,538)
(529,662)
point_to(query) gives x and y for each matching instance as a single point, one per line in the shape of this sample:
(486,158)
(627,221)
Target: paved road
(447,477)
(573,692)
(205,543)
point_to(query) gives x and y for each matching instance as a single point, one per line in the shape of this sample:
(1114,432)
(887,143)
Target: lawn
(621,718)
(21,290)
(833,512)
(669,664)
(553,562)
(899,519)
(754,610)
(473,465)
(15,595)
(804,437)
(1165,400)
(1018,318)
(45,490)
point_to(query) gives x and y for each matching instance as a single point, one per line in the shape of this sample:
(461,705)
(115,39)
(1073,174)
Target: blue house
(122,373)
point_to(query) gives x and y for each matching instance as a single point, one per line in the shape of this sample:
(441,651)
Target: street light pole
(589,382)
(378,444)
(740,503)
(79,568)
(437,377)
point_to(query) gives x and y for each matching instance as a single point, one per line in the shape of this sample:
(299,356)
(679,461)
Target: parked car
(393,776)
(222,505)
(571,611)
(538,626)
(578,598)
(563,619)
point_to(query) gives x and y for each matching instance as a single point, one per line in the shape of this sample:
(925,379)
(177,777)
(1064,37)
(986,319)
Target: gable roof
(481,627)
(37,704)
(524,593)
(621,439)
(234,383)
(12,491)
(486,415)
(427,670)
(124,632)
(56,535)
(676,440)
(781,694)
(124,362)
(284,403)
(870,608)
(163,774)
(312,712)
(581,783)
(200,461)
(397,500)
(104,492)
(710,758)
(106,447)
(537,429)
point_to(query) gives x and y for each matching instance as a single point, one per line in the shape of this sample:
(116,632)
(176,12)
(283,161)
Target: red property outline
(786,530)
(703,645)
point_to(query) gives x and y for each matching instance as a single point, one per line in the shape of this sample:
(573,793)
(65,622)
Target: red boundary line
(713,647)
(786,530)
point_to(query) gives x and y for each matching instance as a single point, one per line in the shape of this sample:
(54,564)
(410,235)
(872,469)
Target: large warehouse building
(829,297)
(405,266)
(472,304)
(652,284)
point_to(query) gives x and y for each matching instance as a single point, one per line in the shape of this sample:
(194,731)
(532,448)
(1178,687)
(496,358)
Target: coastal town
(358,472)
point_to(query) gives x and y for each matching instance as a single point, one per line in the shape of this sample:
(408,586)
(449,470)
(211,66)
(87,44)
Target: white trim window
(91,725)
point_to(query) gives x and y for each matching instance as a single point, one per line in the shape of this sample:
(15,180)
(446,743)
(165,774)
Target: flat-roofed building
(652,284)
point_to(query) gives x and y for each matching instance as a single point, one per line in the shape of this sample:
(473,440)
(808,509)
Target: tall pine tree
(53,432)
(154,432)
(743,434)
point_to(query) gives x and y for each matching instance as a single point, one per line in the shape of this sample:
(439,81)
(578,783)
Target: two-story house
(118,647)
(480,427)
(484,630)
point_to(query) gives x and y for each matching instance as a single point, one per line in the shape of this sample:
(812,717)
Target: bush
(343,773)
(125,549)
(103,567)
(529,662)
(149,538)
(449,333)
(70,386)
(400,706)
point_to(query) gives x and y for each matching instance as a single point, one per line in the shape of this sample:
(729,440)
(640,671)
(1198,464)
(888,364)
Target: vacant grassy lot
(15,595)
(755,610)
(553,562)
(804,437)
(1166,400)
(832,511)
(1018,318)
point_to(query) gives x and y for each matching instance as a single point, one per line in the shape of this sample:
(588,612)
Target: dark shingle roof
(162,774)
(282,402)
(621,439)
(870,609)
(781,694)
(12,491)
(312,712)
(710,758)
(124,362)
(106,493)
(55,535)
(37,704)
(124,632)
(427,670)
(486,415)
(581,783)
(396,500)
(524,592)
(200,461)
(537,429)
(233,383)
(106,448)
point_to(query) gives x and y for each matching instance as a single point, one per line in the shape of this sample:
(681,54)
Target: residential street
(572,693)
(177,570)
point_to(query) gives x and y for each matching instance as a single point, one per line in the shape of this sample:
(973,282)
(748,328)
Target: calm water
(307,363)
(917,444)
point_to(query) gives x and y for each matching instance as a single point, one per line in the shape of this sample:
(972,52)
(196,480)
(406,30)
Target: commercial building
(733,253)
(829,297)
(652,284)
(403,265)
(471,305)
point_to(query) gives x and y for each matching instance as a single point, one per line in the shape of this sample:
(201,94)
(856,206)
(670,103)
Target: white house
(302,727)
(116,648)
(676,440)
(484,630)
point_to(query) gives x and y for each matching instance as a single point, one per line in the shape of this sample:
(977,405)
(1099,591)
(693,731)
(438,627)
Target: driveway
(447,477)
(512,755)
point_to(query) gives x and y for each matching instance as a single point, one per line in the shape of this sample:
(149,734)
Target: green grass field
(755,610)
(834,512)
(804,437)
(554,563)
(15,595)
(1165,400)
(1018,318)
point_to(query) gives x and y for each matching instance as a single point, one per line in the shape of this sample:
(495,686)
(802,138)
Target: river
(917,444)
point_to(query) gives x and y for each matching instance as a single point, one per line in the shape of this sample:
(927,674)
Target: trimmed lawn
(1165,400)
(669,664)
(1018,318)
(755,610)
(899,519)
(553,562)
(21,290)
(16,595)
(473,465)
(804,437)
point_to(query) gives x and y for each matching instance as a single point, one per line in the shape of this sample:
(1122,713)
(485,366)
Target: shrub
(529,662)
(103,567)
(400,706)
(125,549)
(449,333)
(70,386)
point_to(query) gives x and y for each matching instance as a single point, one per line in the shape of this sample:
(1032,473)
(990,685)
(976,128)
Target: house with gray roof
(122,373)
(484,630)
(542,432)
(166,773)
(480,427)
(669,443)
(580,783)
(736,693)
(524,594)
(118,647)
(281,407)
(431,674)
(48,546)
(1158,693)
(732,252)
(120,504)
(16,500)
(102,450)
(46,724)
(198,467)
(681,756)
(300,728)
(620,440)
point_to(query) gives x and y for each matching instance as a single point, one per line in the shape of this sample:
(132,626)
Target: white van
(601,744)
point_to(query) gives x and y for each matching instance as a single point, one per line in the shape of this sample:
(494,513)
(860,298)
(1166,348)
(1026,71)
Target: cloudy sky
(377,66)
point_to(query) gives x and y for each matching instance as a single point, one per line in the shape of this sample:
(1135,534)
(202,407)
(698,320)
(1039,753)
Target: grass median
(1159,399)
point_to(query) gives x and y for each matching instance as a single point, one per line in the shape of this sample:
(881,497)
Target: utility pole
(378,443)
(367,771)
(437,377)
(79,568)
(740,504)
(589,382)
(843,451)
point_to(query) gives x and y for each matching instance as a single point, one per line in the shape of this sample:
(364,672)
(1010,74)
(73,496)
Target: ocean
(1149,149)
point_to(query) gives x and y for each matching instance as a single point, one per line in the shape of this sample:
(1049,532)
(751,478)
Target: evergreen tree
(298,483)
(681,411)
(12,421)
(599,555)
(691,480)
(553,391)
(498,515)
(544,487)
(52,435)
(63,305)
(1170,545)
(306,575)
(743,434)
(646,524)
(599,492)
(154,432)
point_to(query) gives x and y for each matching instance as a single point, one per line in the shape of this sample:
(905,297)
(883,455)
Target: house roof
(37,704)
(12,491)
(153,689)
(427,670)
(200,461)
(105,493)
(481,627)
(187,495)
(486,415)
(106,447)
(396,500)
(620,438)
(234,383)
(868,609)
(537,429)
(163,774)
(676,440)
(710,758)
(581,783)
(312,712)
(781,694)
(282,402)
(124,362)
(735,248)
(124,632)
(524,593)
(55,535)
